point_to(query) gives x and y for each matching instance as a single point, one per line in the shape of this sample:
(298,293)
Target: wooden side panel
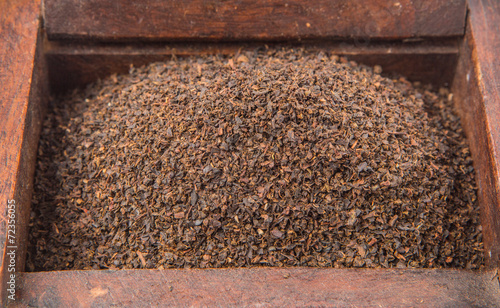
(172,20)
(477,95)
(73,66)
(260,287)
(21,103)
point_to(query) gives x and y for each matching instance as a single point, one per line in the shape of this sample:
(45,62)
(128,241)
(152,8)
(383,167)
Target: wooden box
(53,46)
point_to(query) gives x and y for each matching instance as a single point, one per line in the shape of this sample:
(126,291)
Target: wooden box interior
(77,42)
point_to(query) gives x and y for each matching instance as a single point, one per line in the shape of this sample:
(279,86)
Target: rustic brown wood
(477,95)
(76,65)
(263,287)
(22,96)
(21,102)
(252,20)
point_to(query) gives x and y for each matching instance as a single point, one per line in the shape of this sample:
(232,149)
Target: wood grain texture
(20,103)
(22,95)
(173,20)
(477,96)
(73,65)
(260,287)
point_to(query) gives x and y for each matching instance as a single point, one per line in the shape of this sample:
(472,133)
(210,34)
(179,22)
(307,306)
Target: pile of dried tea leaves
(267,158)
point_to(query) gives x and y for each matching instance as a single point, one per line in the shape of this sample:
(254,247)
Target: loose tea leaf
(273,157)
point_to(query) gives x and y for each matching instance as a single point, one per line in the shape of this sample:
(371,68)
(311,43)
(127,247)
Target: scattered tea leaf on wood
(272,157)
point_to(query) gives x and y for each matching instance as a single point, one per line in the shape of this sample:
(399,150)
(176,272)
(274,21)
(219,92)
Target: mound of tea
(267,158)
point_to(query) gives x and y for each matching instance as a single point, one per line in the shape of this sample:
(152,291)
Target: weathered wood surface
(260,287)
(169,20)
(74,65)
(476,90)
(20,117)
(477,94)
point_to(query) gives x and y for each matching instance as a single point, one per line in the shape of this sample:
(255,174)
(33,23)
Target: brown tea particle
(272,157)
